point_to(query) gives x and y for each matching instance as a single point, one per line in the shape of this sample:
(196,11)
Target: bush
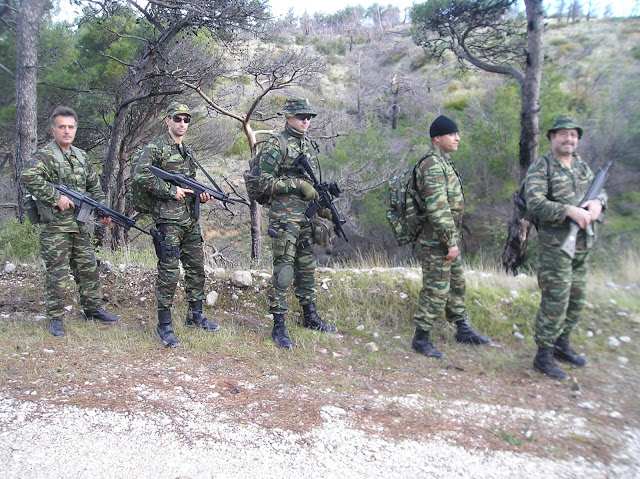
(19,241)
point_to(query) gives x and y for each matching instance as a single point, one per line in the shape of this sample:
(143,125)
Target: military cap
(297,106)
(177,108)
(442,125)
(564,122)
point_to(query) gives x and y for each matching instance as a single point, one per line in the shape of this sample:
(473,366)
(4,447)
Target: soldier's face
(564,142)
(64,131)
(299,122)
(447,143)
(177,126)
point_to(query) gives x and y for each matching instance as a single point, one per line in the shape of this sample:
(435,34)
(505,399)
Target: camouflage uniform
(175,218)
(293,260)
(443,285)
(64,241)
(561,279)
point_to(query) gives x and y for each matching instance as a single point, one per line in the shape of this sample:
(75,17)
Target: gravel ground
(43,441)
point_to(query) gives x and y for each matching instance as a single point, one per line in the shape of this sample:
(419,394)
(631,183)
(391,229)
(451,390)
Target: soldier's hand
(181,193)
(452,253)
(204,197)
(326,213)
(105,220)
(307,191)
(579,215)
(594,207)
(65,203)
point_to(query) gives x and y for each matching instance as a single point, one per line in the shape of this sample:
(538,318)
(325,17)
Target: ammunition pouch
(36,211)
(321,232)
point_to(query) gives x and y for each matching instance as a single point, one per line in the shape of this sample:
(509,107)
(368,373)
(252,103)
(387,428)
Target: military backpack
(252,175)
(519,197)
(405,214)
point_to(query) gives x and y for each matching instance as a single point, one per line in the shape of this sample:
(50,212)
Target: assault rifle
(198,188)
(569,244)
(86,205)
(326,193)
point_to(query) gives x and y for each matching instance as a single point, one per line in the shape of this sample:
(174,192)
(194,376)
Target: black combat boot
(544,363)
(563,352)
(279,333)
(165,331)
(197,319)
(55,327)
(466,334)
(423,345)
(100,315)
(311,320)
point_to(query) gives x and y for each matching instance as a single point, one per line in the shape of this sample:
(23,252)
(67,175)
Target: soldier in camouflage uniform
(443,285)
(174,215)
(65,242)
(291,192)
(554,200)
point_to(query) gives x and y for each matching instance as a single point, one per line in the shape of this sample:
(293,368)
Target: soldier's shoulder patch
(270,160)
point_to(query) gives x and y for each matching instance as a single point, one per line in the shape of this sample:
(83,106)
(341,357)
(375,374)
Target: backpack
(138,197)
(252,175)
(405,214)
(519,197)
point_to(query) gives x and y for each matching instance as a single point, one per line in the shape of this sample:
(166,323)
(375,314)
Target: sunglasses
(304,117)
(178,119)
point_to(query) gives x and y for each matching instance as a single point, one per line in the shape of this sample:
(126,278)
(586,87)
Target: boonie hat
(177,108)
(564,122)
(297,106)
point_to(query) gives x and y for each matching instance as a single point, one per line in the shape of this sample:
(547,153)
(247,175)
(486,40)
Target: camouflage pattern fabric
(561,280)
(443,286)
(293,260)
(175,217)
(65,243)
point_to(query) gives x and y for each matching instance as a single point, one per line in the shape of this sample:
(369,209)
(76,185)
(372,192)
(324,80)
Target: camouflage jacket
(43,167)
(440,187)
(279,176)
(549,199)
(164,153)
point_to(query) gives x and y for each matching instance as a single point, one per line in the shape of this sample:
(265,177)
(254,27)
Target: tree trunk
(515,249)
(26,138)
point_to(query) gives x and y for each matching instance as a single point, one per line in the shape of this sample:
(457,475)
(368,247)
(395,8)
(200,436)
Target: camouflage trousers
(59,252)
(443,287)
(293,263)
(563,282)
(187,236)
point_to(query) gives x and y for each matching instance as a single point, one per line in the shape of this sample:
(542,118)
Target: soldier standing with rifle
(555,198)
(174,213)
(65,241)
(292,231)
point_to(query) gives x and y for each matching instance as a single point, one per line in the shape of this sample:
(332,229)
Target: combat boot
(423,345)
(311,320)
(279,333)
(100,315)
(466,334)
(197,319)
(165,331)
(563,352)
(544,363)
(55,327)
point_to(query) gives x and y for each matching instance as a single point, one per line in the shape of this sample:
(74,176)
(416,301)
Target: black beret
(442,126)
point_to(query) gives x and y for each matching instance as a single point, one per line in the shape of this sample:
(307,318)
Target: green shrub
(19,241)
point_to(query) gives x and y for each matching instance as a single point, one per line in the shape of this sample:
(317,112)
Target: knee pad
(283,275)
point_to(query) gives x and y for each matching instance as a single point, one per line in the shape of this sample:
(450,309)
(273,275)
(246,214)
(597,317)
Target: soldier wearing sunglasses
(291,192)
(174,215)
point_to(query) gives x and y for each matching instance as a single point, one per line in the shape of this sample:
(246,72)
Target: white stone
(615,414)
(371,347)
(40,318)
(325,286)
(623,360)
(514,293)
(324,270)
(9,268)
(518,335)
(404,295)
(68,308)
(122,267)
(411,276)
(589,334)
(218,271)
(360,327)
(622,314)
(610,284)
(212,297)
(613,342)
(624,339)
(241,278)
(265,276)
(48,351)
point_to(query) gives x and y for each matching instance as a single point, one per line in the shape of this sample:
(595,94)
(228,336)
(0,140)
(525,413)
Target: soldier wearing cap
(291,192)
(553,194)
(443,287)
(174,215)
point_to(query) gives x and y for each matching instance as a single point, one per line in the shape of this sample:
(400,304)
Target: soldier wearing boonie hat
(177,108)
(291,194)
(554,186)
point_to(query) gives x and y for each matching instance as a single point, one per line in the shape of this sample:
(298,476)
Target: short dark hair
(63,111)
